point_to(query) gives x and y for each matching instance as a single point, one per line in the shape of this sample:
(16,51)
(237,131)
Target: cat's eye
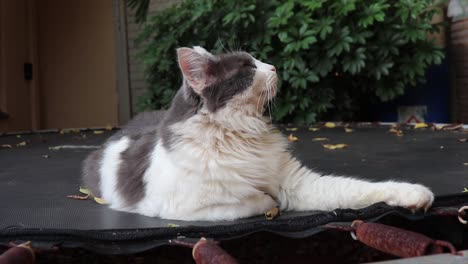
(249,64)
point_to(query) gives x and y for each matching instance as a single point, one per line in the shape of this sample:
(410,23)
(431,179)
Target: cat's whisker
(258,102)
(222,45)
(268,103)
(264,98)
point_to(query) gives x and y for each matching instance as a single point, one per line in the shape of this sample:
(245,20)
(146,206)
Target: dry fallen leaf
(437,127)
(348,130)
(45,156)
(466,163)
(89,193)
(313,129)
(98,132)
(7,146)
(21,144)
(18,136)
(292,138)
(272,213)
(453,127)
(465,189)
(336,146)
(420,125)
(463,140)
(108,127)
(76,130)
(291,129)
(85,191)
(320,139)
(275,130)
(396,131)
(99,200)
(330,125)
(78,197)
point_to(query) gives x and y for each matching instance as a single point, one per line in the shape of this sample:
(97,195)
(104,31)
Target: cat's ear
(203,51)
(193,65)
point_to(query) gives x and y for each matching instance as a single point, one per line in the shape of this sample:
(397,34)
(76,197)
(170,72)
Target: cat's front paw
(411,196)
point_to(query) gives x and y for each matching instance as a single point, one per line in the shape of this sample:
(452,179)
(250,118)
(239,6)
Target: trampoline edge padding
(126,241)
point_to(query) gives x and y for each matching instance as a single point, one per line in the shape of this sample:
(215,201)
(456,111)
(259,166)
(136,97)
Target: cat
(214,156)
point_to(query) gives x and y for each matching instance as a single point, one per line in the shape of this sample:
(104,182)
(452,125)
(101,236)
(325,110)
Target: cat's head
(235,79)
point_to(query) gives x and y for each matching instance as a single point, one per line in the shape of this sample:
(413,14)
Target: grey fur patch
(234,74)
(135,161)
(143,133)
(145,122)
(185,104)
(90,171)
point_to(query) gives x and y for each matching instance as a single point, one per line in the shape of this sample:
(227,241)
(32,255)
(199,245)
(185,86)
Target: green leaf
(86,191)
(99,200)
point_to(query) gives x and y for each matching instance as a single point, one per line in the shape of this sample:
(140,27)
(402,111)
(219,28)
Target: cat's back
(118,166)
(143,123)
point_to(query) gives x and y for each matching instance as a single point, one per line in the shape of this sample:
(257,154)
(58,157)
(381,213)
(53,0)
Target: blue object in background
(434,94)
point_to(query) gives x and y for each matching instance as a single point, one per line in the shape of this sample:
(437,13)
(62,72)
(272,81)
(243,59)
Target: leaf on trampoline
(99,200)
(396,131)
(291,129)
(465,190)
(420,125)
(320,139)
(463,140)
(21,144)
(335,146)
(313,129)
(78,197)
(330,125)
(453,127)
(7,146)
(272,213)
(98,132)
(348,130)
(292,138)
(86,191)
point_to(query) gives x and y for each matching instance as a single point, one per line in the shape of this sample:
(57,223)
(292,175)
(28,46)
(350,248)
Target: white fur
(203,51)
(264,67)
(108,171)
(230,164)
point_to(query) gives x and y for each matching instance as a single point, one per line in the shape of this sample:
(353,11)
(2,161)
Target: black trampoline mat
(35,182)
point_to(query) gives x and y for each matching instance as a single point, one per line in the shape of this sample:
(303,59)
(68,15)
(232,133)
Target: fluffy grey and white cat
(213,156)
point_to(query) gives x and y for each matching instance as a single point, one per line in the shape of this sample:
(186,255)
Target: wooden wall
(135,66)
(459,69)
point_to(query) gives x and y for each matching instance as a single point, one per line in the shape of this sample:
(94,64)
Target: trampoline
(39,170)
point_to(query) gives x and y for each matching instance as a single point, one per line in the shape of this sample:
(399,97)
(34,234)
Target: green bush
(332,56)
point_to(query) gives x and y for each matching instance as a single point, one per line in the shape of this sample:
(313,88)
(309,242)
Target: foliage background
(333,57)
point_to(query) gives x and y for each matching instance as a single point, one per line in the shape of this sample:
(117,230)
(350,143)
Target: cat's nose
(273,68)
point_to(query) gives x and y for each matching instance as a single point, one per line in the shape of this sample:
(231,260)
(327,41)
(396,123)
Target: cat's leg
(303,189)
